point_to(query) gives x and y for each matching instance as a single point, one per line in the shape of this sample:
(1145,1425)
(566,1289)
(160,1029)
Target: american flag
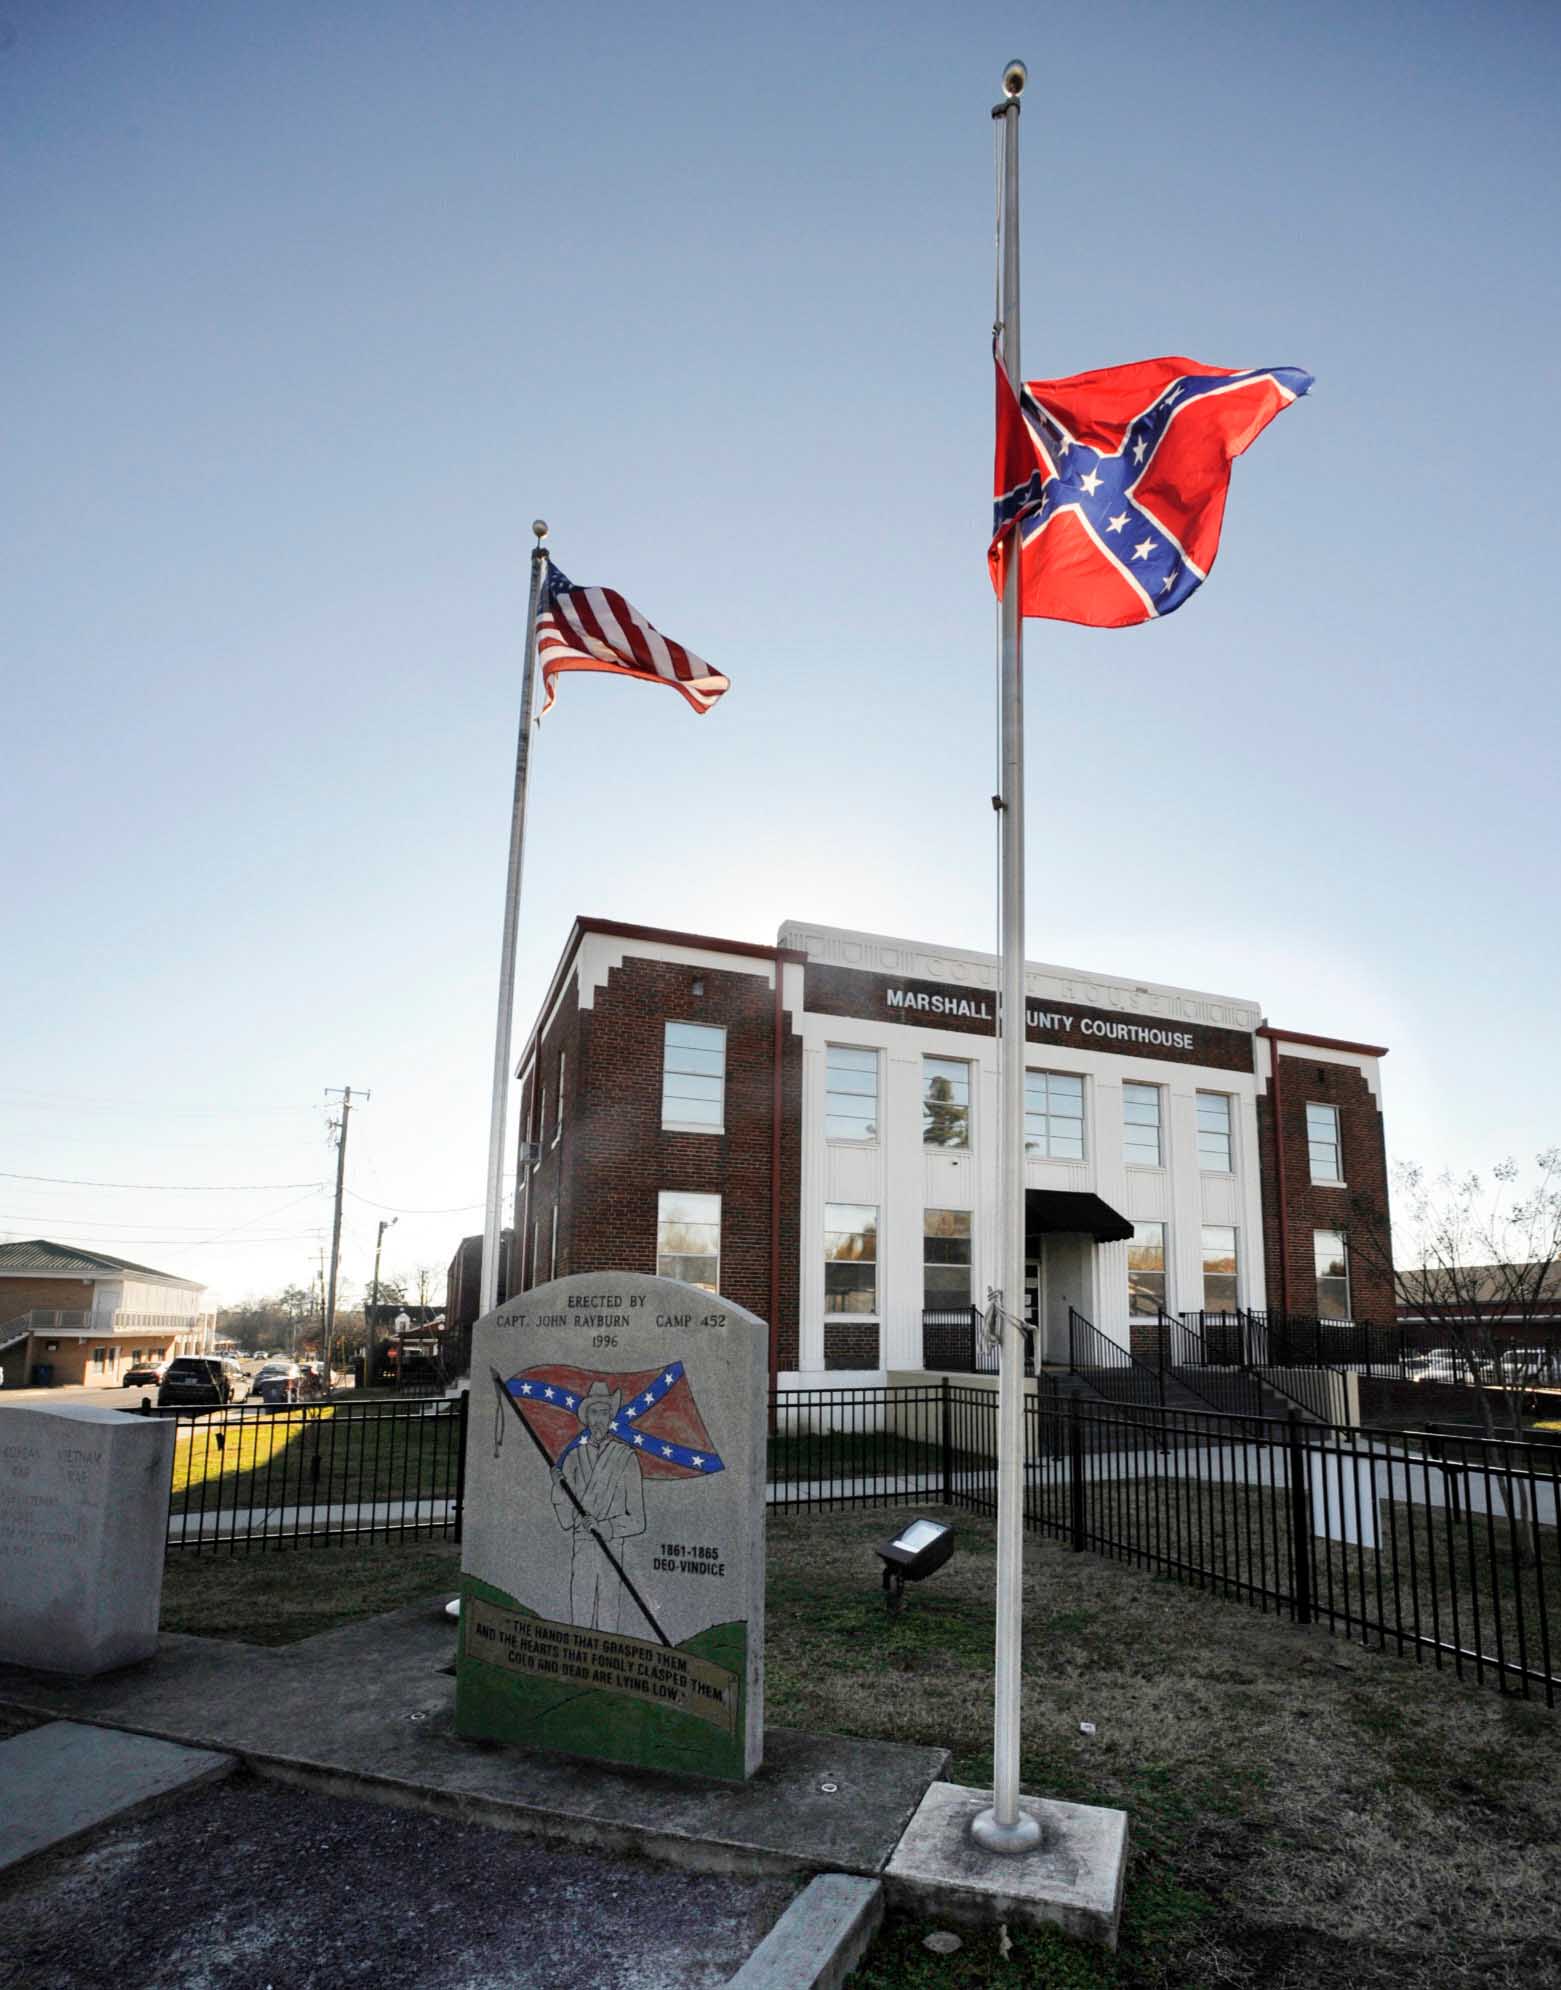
(594,628)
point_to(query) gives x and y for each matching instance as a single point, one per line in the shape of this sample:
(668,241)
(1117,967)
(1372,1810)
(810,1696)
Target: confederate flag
(1117,482)
(655,1415)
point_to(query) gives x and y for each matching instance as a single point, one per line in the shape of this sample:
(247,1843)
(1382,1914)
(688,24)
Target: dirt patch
(256,1886)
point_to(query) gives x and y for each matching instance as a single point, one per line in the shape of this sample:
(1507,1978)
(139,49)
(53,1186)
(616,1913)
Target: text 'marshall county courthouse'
(810,1128)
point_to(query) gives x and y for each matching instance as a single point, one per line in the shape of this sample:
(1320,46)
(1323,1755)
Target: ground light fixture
(920,1547)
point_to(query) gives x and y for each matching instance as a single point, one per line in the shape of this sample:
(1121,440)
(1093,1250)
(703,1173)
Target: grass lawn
(1302,1812)
(340,1451)
(283,1594)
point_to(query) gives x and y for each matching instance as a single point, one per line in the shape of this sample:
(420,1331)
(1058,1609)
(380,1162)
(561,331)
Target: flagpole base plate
(1023,1835)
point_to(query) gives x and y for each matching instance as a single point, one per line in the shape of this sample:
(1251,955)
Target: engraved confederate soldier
(604,1477)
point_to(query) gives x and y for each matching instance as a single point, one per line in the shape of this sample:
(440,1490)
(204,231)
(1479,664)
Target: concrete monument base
(83,1519)
(1073,1877)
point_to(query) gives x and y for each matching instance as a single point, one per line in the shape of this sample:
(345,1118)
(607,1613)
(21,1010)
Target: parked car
(199,1381)
(144,1374)
(277,1383)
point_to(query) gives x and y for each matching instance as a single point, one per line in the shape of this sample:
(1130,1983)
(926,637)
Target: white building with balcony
(70,1314)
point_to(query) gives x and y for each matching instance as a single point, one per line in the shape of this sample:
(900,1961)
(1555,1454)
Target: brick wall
(64,1295)
(1311,1206)
(851,1344)
(1411,1405)
(614,1158)
(553,1182)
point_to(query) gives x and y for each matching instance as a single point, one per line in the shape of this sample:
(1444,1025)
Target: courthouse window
(1322,1141)
(850,1258)
(1219,1268)
(1214,1133)
(945,1102)
(688,1238)
(1054,1115)
(1332,1251)
(1141,1125)
(693,1078)
(558,1116)
(850,1093)
(1146,1270)
(945,1259)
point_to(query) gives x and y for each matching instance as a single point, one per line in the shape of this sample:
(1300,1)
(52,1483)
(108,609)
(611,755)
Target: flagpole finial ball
(539,526)
(1015,76)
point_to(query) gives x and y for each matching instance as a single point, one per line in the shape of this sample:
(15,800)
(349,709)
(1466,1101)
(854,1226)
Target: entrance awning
(1053,1209)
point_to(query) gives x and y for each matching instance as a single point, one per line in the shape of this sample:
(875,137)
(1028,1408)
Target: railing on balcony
(45,1320)
(953,1343)
(1111,1371)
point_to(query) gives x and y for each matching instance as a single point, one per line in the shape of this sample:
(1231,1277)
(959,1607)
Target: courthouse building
(810,1129)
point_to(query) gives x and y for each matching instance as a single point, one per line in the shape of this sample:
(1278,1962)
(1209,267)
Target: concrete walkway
(368,1710)
(62,1780)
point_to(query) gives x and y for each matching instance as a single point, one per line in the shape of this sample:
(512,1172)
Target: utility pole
(340,1129)
(385,1223)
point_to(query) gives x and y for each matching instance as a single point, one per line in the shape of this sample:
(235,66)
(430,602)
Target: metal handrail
(1255,1363)
(1113,1370)
(957,1343)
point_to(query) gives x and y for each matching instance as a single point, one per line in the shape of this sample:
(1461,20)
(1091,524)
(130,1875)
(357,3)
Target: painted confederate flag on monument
(594,628)
(1117,482)
(650,1412)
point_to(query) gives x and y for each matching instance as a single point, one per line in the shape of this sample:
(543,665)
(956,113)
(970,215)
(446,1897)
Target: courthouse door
(1066,1257)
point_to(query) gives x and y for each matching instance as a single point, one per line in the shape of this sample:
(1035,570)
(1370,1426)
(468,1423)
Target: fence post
(1300,1523)
(1076,1473)
(947,1437)
(463,1414)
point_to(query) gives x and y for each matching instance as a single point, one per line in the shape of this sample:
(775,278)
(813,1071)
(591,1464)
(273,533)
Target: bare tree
(1475,1251)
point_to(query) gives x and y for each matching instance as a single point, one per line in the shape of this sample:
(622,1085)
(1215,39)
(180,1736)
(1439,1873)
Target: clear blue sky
(311,308)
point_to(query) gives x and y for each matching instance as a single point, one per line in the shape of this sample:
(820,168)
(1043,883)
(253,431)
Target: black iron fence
(1421,1351)
(1441,1545)
(316,1474)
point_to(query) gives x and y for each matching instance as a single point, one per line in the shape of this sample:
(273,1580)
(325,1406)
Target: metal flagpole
(488,1285)
(1005,1828)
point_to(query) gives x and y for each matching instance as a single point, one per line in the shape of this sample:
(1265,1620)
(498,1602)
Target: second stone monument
(612,1588)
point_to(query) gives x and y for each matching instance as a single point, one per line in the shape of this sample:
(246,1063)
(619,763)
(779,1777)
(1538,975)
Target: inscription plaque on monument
(612,1562)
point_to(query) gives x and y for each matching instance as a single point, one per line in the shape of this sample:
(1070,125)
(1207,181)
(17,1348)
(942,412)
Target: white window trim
(875,1317)
(971,1267)
(1220,1174)
(1166,1304)
(1331,1181)
(972,1087)
(536,1160)
(1349,1267)
(689,1125)
(720,1216)
(558,1112)
(844,1140)
(1145,1167)
(1059,1160)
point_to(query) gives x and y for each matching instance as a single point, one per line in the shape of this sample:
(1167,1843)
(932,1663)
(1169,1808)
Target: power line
(169,1188)
(455,1209)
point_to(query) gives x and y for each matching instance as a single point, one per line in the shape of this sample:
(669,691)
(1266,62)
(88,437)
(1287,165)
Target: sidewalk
(368,1710)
